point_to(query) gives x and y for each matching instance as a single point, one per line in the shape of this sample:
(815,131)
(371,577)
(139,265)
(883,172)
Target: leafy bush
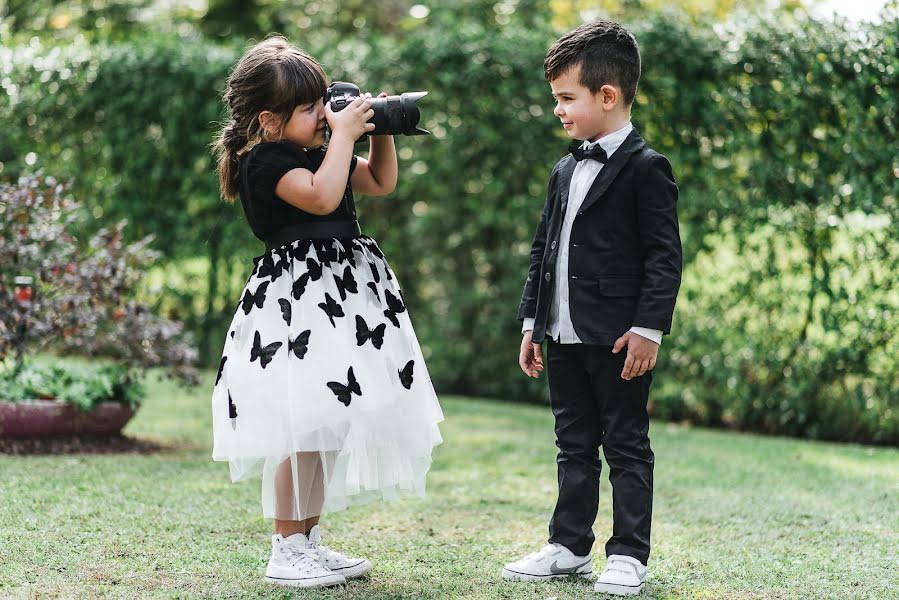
(80,301)
(80,385)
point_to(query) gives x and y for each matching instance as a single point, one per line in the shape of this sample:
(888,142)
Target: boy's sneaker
(553,561)
(335,561)
(293,563)
(623,576)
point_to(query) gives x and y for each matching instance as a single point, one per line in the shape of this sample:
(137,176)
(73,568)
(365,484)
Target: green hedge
(782,137)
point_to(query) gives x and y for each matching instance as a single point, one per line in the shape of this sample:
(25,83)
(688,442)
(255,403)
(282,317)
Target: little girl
(322,387)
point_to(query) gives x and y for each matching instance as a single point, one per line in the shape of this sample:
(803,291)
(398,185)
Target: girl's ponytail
(232,139)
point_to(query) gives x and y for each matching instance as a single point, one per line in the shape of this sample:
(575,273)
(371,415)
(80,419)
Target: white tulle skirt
(322,388)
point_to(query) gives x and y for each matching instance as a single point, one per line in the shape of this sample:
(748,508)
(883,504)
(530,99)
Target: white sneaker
(292,563)
(335,561)
(553,561)
(623,576)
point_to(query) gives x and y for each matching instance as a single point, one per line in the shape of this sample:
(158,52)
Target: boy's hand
(641,354)
(353,119)
(530,357)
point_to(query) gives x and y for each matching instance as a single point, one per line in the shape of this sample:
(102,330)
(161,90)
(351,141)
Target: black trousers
(594,407)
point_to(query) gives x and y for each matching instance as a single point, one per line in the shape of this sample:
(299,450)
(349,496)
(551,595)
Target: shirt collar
(612,141)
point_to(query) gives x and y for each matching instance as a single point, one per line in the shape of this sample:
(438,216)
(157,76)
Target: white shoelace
(325,553)
(297,555)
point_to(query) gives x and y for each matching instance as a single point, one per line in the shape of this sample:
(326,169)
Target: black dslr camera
(394,115)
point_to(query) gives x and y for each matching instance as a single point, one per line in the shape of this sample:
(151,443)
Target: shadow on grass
(84,444)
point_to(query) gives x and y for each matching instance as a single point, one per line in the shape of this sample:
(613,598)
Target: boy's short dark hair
(606,52)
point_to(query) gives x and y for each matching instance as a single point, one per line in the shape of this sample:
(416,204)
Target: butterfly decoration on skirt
(406,374)
(326,251)
(374,272)
(374,288)
(364,334)
(345,284)
(232,412)
(286,310)
(331,308)
(313,272)
(299,345)
(394,307)
(345,253)
(251,299)
(269,268)
(221,369)
(343,392)
(266,353)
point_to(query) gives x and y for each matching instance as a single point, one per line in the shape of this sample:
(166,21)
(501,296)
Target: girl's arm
(320,193)
(377,175)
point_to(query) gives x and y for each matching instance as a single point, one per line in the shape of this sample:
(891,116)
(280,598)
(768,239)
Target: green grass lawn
(736,516)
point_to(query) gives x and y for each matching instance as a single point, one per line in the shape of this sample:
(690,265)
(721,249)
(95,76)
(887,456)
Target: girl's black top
(260,171)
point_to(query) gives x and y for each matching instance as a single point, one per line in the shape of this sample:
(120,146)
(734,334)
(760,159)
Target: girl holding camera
(322,388)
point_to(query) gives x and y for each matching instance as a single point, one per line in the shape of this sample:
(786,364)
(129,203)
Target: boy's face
(584,115)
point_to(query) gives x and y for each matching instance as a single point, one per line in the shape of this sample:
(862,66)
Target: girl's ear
(270,124)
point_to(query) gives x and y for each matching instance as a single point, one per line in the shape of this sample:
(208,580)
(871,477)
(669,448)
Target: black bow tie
(595,152)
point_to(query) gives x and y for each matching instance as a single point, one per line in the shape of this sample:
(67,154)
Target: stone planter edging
(49,418)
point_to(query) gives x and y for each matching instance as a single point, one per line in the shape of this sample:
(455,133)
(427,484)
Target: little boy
(604,273)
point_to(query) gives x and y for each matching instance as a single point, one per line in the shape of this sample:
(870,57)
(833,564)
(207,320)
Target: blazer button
(553,245)
(548,276)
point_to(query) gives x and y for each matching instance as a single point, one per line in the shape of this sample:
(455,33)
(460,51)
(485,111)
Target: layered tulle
(322,387)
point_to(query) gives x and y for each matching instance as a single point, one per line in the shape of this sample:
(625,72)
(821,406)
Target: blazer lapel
(610,170)
(565,174)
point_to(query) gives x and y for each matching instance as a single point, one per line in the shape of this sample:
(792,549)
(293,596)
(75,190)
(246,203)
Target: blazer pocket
(620,287)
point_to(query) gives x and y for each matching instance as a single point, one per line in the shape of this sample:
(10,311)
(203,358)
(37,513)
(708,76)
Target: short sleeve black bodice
(262,168)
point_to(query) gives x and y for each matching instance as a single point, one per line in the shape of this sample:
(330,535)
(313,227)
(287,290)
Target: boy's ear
(269,122)
(609,96)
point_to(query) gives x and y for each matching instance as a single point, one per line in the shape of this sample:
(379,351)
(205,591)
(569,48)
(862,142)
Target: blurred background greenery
(780,121)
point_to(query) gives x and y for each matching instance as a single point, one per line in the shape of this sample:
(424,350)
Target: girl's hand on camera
(352,121)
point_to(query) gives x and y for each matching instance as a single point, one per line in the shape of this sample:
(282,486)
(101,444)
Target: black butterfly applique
(374,272)
(363,333)
(286,310)
(326,251)
(232,335)
(258,298)
(268,267)
(345,284)
(331,308)
(394,307)
(344,254)
(232,409)
(406,374)
(284,252)
(314,269)
(301,249)
(221,367)
(300,344)
(374,288)
(299,286)
(264,354)
(343,392)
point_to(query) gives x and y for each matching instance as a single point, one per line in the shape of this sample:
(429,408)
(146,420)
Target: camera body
(394,115)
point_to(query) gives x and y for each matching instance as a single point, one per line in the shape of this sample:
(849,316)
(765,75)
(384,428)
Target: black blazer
(625,258)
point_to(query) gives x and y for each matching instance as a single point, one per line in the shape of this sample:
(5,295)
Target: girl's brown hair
(273,75)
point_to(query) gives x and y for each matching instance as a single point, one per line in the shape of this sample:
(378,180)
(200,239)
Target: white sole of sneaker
(311,582)
(617,590)
(355,571)
(516,576)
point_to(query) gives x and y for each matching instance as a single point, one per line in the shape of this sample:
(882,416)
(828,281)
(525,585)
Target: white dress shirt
(560,327)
